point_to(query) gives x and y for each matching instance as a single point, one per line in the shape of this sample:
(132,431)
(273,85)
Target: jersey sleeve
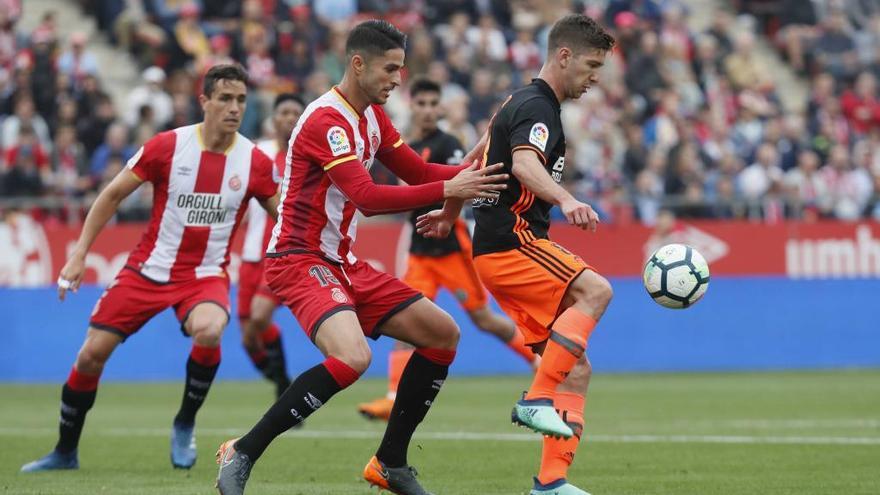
(150,159)
(326,139)
(533,126)
(264,178)
(390,135)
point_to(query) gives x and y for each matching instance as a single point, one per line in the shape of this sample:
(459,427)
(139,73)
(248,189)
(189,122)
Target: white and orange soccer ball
(676,276)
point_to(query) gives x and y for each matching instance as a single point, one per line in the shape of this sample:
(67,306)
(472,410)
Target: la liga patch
(539,135)
(338,141)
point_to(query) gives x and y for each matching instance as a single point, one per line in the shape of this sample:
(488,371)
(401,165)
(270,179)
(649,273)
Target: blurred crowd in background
(683,120)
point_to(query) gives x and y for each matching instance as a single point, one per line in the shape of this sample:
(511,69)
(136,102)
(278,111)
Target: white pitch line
(468,436)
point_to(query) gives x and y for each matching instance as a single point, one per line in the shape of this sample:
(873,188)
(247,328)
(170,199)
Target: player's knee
(482,318)
(208,332)
(90,360)
(593,289)
(580,374)
(357,357)
(446,333)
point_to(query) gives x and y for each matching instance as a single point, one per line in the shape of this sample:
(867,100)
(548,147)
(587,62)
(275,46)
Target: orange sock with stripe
(397,360)
(566,345)
(518,345)
(558,454)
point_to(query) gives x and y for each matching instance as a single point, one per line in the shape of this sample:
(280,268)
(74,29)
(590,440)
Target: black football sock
(309,391)
(419,384)
(74,406)
(201,367)
(276,365)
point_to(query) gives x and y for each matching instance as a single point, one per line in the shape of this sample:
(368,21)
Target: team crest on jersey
(337,295)
(235,183)
(374,141)
(338,141)
(539,135)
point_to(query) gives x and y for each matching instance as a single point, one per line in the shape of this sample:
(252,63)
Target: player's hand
(71,275)
(580,214)
(476,182)
(434,225)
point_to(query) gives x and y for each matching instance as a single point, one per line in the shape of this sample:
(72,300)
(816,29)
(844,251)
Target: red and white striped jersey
(198,202)
(314,215)
(258,230)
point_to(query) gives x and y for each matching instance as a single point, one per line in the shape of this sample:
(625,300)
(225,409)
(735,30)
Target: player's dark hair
(423,85)
(578,32)
(374,37)
(282,97)
(229,72)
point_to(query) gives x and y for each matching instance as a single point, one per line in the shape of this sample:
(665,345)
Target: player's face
(381,75)
(582,71)
(225,107)
(285,118)
(425,109)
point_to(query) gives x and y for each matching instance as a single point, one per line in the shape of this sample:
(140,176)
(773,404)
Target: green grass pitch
(678,434)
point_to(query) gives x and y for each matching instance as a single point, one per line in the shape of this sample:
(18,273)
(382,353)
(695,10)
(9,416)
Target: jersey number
(323,274)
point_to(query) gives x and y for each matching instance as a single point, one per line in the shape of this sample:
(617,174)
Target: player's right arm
(100,213)
(530,172)
(143,166)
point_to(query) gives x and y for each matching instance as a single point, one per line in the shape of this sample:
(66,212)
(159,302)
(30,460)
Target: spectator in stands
(861,106)
(334,60)
(77,62)
(115,146)
(189,35)
(835,49)
(643,76)
(23,175)
(152,94)
(92,127)
(798,31)
(849,187)
(69,164)
(743,67)
(25,116)
(756,179)
(805,188)
(10,41)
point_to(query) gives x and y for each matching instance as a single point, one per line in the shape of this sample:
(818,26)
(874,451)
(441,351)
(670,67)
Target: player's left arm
(409,166)
(271,205)
(404,162)
(265,183)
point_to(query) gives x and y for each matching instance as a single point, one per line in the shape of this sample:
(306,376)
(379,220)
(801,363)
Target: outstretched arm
(408,165)
(372,199)
(102,210)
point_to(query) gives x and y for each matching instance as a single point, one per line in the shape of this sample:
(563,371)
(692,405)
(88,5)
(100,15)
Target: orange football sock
(558,454)
(397,360)
(566,345)
(518,345)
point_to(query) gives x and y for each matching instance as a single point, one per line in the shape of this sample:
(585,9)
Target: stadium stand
(692,119)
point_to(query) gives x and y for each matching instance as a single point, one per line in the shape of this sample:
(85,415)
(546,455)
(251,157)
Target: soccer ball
(676,276)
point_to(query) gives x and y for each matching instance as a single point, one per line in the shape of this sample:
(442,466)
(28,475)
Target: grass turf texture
(701,434)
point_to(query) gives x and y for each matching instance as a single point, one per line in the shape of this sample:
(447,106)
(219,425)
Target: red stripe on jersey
(194,243)
(210,175)
(158,153)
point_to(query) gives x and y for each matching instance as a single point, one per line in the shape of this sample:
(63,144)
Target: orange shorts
(455,272)
(529,283)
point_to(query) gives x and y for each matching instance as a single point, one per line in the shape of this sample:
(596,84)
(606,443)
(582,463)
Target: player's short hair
(229,72)
(423,85)
(282,97)
(578,32)
(374,37)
